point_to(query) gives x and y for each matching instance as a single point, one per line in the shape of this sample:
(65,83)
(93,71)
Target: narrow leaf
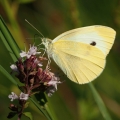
(41,98)
(100,103)
(29,115)
(43,111)
(2,70)
(11,115)
(8,47)
(9,39)
(26,104)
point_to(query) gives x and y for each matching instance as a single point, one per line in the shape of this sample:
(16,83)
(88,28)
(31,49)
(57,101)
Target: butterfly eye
(93,43)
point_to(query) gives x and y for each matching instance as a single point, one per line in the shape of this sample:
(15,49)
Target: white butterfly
(81,53)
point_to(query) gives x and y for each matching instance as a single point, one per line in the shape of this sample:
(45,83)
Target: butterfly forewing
(81,50)
(103,36)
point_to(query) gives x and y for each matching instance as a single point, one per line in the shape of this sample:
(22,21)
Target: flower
(12,96)
(50,91)
(33,76)
(23,54)
(14,67)
(37,62)
(23,96)
(13,107)
(54,81)
(31,51)
(52,85)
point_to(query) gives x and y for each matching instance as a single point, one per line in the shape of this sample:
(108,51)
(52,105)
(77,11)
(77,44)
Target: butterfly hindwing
(80,64)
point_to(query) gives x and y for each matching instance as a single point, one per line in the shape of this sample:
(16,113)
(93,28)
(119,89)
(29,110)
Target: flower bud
(13,107)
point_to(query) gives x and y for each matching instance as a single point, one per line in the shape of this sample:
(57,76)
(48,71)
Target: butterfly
(81,53)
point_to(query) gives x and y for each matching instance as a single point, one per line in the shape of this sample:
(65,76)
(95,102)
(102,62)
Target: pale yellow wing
(81,52)
(102,36)
(80,62)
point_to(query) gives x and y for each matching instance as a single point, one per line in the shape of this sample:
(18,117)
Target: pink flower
(31,51)
(54,81)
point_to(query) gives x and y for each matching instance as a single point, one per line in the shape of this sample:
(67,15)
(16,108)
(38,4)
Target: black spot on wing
(93,43)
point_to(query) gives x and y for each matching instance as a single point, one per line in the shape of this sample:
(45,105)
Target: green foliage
(9,77)
(27,104)
(8,41)
(29,115)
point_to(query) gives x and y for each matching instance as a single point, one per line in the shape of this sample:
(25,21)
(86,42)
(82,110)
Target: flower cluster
(22,96)
(29,70)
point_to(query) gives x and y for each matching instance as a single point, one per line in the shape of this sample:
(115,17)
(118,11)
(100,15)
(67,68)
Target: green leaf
(41,98)
(11,115)
(29,115)
(100,103)
(41,109)
(8,40)
(26,104)
(3,71)
(8,47)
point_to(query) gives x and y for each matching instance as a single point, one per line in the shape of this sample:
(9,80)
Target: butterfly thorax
(48,45)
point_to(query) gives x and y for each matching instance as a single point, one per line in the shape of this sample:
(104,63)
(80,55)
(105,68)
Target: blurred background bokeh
(51,18)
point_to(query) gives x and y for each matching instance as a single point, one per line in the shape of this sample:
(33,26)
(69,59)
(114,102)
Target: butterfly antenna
(34,28)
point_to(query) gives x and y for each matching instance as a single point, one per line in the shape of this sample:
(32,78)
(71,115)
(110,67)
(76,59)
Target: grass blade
(8,47)
(8,40)
(100,103)
(2,70)
(41,109)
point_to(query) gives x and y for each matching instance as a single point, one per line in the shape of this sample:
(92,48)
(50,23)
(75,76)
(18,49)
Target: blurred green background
(51,18)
